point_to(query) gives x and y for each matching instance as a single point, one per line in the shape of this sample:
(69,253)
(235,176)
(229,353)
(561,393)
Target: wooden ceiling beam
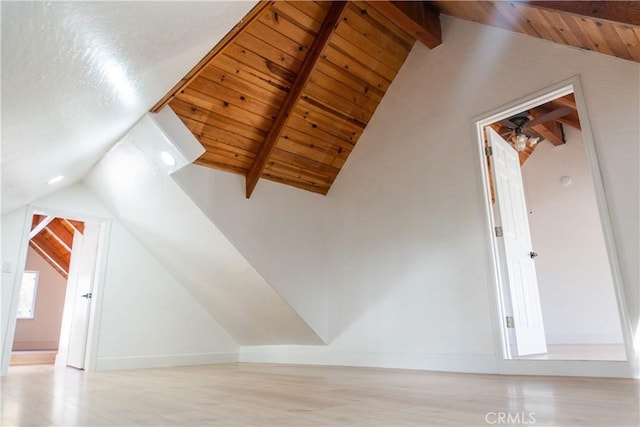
(322,40)
(417,18)
(61,233)
(625,12)
(75,225)
(551,131)
(570,120)
(213,53)
(566,101)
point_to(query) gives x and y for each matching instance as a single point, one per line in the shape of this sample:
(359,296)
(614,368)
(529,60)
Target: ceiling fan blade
(506,123)
(552,115)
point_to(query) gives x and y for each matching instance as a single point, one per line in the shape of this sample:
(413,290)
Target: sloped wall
(192,249)
(281,231)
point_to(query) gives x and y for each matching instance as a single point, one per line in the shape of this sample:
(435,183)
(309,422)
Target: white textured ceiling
(77,75)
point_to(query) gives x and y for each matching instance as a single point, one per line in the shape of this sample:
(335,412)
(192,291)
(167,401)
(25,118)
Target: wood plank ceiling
(286,95)
(609,27)
(52,238)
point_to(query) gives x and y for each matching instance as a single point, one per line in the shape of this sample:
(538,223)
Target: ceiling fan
(520,132)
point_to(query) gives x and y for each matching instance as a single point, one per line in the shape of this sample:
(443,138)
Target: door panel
(517,265)
(84,274)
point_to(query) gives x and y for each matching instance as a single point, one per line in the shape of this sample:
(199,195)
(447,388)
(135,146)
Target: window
(27,299)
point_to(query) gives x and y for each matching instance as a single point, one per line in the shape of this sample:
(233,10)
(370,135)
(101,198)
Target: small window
(27,299)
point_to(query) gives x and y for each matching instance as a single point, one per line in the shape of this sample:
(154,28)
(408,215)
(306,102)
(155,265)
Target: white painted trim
(41,226)
(96,309)
(594,339)
(318,355)
(462,363)
(163,361)
(626,369)
(566,368)
(45,346)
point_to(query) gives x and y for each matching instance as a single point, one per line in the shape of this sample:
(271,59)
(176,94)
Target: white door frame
(571,85)
(99,279)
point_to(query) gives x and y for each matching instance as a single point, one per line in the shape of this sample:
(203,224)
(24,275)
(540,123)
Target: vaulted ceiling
(287,94)
(609,27)
(82,73)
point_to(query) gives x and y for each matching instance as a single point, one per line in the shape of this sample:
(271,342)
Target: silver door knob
(87,295)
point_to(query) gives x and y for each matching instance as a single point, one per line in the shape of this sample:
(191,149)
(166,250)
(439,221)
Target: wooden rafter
(571,120)
(74,226)
(551,131)
(608,27)
(567,101)
(625,12)
(217,50)
(292,98)
(415,17)
(61,238)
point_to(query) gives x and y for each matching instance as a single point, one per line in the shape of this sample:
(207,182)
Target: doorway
(555,268)
(62,270)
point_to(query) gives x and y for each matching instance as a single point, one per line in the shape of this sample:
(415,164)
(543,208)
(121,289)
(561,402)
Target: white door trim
(100,276)
(571,85)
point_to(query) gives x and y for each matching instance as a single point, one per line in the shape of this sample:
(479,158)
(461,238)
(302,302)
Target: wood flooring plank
(243,394)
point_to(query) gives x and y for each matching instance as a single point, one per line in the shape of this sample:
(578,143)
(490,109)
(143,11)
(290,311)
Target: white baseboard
(312,355)
(35,346)
(584,339)
(463,363)
(163,361)
(569,368)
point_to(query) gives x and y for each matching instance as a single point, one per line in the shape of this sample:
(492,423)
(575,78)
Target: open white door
(82,271)
(517,263)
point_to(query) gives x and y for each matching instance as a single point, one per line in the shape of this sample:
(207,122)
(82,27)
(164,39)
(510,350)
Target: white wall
(281,231)
(408,260)
(148,318)
(43,331)
(191,248)
(574,278)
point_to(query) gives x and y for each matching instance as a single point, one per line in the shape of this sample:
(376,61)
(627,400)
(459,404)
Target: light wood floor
(33,357)
(286,395)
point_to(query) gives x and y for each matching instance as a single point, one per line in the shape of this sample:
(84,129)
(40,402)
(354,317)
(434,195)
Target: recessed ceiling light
(56,179)
(167,158)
